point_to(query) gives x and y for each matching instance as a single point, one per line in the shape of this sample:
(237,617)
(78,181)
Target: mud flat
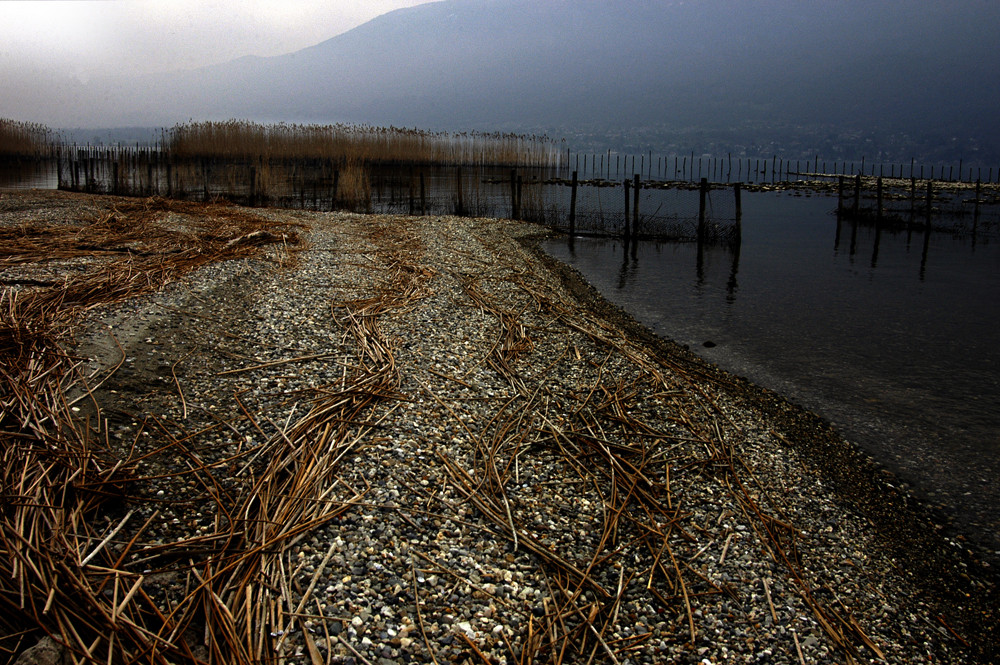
(327,437)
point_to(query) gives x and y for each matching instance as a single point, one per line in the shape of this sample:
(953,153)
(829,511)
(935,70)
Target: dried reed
(24,139)
(362,144)
(62,574)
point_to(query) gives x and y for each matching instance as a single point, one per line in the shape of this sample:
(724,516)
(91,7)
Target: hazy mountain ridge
(899,68)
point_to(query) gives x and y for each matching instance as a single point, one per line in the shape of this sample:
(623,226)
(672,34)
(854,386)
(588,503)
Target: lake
(893,336)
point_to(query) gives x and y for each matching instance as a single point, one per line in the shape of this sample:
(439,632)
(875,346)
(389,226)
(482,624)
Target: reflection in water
(902,355)
(923,254)
(628,266)
(28,175)
(973,233)
(878,240)
(732,286)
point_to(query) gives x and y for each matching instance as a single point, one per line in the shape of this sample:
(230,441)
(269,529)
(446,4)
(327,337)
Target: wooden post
(857,195)
(625,184)
(316,176)
(913,197)
(738,193)
(878,197)
(514,212)
(204,179)
(975,213)
(300,166)
(423,196)
(572,205)
(412,204)
(840,196)
(635,207)
(520,182)
(929,204)
(702,198)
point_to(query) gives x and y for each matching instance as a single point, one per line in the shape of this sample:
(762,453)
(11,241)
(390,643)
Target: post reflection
(889,237)
(707,253)
(732,285)
(878,241)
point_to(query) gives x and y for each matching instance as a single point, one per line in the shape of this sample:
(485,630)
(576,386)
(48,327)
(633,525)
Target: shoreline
(881,477)
(477,492)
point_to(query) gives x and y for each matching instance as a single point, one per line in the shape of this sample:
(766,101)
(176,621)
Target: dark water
(892,336)
(28,175)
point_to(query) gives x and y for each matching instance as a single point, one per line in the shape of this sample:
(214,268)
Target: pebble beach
(440,445)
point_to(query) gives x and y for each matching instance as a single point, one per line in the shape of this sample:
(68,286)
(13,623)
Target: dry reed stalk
(636,495)
(23,139)
(294,492)
(361,144)
(58,472)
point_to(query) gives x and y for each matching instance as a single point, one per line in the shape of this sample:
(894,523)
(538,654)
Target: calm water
(891,336)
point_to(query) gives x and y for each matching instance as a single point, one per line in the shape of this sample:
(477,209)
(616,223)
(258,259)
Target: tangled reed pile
(59,472)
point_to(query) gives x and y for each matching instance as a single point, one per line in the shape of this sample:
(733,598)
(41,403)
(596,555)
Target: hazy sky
(82,37)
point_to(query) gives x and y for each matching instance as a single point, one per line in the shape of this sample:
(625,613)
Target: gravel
(495,348)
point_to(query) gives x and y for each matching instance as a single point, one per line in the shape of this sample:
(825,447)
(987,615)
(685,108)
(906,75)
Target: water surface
(891,335)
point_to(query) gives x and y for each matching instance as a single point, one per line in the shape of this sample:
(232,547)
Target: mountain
(909,72)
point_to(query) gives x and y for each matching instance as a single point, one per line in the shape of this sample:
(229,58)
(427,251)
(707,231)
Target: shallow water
(892,336)
(29,175)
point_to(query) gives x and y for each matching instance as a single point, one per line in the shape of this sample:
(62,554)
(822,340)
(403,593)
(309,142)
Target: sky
(88,37)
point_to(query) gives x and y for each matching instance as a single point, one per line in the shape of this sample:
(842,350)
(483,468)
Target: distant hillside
(909,69)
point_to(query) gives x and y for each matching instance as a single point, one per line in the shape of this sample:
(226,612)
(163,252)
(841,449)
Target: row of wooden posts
(84,170)
(690,168)
(880,213)
(631,229)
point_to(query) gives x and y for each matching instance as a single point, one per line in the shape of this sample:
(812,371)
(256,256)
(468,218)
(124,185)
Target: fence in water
(547,195)
(667,201)
(944,206)
(764,170)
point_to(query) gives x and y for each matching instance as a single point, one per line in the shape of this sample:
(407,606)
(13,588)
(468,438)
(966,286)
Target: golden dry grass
(23,139)
(365,144)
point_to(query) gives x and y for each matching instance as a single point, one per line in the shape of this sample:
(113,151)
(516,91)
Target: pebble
(413,530)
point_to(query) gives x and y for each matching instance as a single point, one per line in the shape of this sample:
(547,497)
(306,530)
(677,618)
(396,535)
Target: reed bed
(24,139)
(362,144)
